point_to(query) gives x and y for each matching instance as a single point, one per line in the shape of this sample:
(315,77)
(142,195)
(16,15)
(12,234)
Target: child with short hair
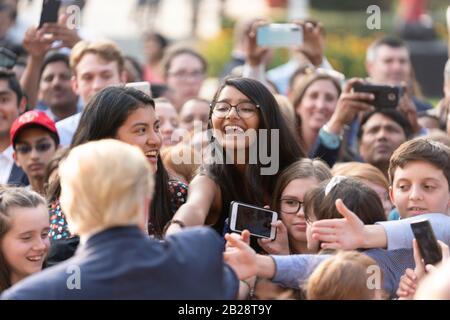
(24,241)
(35,140)
(419,174)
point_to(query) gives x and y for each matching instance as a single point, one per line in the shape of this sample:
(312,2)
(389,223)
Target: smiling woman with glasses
(240,106)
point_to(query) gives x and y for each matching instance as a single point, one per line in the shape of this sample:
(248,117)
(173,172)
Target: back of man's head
(104,184)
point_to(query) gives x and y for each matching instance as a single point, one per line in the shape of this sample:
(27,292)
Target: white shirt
(66,129)
(6,164)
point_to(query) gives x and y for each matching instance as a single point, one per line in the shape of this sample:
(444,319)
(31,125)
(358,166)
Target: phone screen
(49,11)
(426,240)
(279,35)
(257,221)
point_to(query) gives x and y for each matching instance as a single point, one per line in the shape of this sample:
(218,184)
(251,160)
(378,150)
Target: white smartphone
(279,35)
(254,219)
(143,86)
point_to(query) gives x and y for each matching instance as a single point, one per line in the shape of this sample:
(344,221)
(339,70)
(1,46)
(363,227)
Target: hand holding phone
(386,97)
(428,246)
(254,219)
(279,35)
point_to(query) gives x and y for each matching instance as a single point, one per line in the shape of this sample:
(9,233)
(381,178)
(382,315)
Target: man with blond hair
(116,259)
(95,65)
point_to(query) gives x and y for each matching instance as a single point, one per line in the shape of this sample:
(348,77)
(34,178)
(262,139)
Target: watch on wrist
(329,139)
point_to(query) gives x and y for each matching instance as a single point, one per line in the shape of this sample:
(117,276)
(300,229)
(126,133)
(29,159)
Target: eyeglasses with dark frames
(290,206)
(244,109)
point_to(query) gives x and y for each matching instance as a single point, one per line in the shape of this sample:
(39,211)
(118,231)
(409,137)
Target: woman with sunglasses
(35,140)
(243,114)
(292,185)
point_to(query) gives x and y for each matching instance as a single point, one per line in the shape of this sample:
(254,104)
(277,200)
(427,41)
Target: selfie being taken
(240,151)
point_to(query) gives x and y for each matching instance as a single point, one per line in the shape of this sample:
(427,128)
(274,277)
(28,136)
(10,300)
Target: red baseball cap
(32,118)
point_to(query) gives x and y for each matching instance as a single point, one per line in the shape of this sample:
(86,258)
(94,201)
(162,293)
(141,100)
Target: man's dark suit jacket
(123,263)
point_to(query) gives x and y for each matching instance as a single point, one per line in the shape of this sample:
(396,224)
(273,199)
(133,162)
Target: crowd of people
(109,192)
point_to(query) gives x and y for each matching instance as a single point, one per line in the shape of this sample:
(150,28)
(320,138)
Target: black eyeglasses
(26,148)
(290,206)
(245,109)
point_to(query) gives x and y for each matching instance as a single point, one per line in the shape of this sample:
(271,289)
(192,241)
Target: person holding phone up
(411,278)
(37,42)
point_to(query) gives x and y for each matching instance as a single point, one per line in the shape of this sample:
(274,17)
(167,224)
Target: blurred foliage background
(347,34)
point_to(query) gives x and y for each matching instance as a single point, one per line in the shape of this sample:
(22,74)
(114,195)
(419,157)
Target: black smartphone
(428,246)
(386,97)
(254,219)
(7,58)
(49,11)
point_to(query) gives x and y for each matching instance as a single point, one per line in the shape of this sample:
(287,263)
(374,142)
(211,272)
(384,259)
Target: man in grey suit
(106,192)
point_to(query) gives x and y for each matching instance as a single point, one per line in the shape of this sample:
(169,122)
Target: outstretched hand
(346,233)
(239,255)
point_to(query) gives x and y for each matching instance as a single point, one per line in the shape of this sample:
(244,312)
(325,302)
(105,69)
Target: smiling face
(26,244)
(295,222)
(317,104)
(420,187)
(233,131)
(55,86)
(141,129)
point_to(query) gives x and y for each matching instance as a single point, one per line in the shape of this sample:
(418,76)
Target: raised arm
(201,196)
(37,44)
